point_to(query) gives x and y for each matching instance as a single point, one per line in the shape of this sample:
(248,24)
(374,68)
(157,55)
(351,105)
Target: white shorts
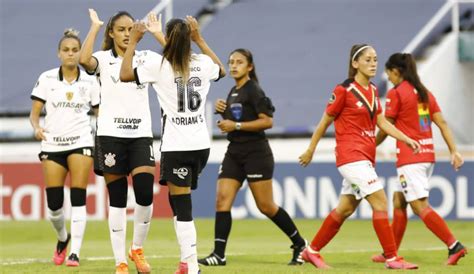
(413,180)
(360,179)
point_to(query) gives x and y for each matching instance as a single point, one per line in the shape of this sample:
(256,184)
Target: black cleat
(297,249)
(212,260)
(456,253)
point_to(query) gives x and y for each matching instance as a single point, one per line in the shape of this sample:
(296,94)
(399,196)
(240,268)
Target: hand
(194,28)
(95,21)
(226,126)
(306,157)
(154,24)
(138,30)
(220,105)
(40,134)
(413,144)
(456,160)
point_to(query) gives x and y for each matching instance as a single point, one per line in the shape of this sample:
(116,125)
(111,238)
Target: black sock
(286,224)
(222,226)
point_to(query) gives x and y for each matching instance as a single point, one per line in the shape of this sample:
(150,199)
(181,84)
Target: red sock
(384,233)
(327,231)
(399,225)
(437,225)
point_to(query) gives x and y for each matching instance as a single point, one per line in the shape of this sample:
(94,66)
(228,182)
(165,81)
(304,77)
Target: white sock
(186,234)
(78,226)
(141,224)
(118,232)
(57,219)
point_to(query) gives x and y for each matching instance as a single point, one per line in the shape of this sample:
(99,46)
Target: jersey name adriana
(124,109)
(67,124)
(183,120)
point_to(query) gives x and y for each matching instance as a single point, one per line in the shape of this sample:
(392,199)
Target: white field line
(43,260)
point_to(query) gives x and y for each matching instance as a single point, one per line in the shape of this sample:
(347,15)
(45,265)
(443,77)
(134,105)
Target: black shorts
(182,168)
(60,157)
(116,155)
(252,161)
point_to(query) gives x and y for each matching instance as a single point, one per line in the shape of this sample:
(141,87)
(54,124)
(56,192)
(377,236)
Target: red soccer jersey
(355,110)
(414,119)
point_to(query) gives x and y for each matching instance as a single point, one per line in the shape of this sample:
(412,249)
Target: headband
(358,51)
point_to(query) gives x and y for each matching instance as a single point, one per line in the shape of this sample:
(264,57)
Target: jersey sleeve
(39,90)
(95,94)
(434,107)
(212,69)
(148,71)
(336,102)
(262,103)
(100,58)
(392,104)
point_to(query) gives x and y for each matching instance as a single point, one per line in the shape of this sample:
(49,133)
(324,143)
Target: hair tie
(358,51)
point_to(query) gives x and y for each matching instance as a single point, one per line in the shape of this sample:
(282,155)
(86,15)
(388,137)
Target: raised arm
(87,60)
(381,135)
(126,71)
(391,130)
(36,108)
(202,44)
(318,133)
(456,159)
(154,26)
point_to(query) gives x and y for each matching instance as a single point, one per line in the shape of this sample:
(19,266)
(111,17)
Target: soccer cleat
(72,260)
(456,253)
(60,252)
(297,249)
(400,263)
(182,268)
(136,255)
(379,258)
(314,258)
(122,268)
(212,260)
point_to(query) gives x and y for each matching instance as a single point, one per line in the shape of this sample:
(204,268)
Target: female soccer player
(124,145)
(411,107)
(355,109)
(182,81)
(247,112)
(66,141)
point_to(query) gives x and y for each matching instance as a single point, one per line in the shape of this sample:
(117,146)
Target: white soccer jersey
(124,108)
(67,124)
(183,120)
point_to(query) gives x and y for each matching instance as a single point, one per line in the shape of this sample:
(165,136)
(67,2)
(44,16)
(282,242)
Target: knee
(223,202)
(418,208)
(55,197)
(345,212)
(399,201)
(267,208)
(143,188)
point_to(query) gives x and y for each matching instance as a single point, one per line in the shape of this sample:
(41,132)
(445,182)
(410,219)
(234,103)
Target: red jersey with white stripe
(414,119)
(355,110)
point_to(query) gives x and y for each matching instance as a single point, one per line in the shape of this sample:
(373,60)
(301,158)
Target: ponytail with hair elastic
(178,47)
(70,33)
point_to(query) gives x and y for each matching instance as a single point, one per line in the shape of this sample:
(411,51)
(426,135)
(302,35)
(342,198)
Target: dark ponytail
(108,42)
(406,65)
(178,47)
(248,55)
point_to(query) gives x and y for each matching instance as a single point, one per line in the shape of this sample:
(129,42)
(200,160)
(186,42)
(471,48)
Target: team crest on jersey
(69,95)
(82,91)
(109,159)
(182,172)
(359,104)
(140,62)
(332,99)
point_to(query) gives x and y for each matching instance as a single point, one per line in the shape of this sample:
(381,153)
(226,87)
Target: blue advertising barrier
(312,192)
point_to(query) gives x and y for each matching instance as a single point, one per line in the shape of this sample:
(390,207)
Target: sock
(327,231)
(78,226)
(118,229)
(141,224)
(57,219)
(286,224)
(437,225)
(399,225)
(222,226)
(186,233)
(384,233)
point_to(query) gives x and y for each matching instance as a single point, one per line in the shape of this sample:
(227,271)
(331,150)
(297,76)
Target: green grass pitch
(255,246)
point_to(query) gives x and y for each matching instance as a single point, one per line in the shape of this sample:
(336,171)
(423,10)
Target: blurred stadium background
(301,52)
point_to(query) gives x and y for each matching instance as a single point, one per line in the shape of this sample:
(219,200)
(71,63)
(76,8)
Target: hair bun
(71,32)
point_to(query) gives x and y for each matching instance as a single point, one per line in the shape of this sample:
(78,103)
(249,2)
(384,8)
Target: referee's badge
(69,95)
(109,159)
(236,109)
